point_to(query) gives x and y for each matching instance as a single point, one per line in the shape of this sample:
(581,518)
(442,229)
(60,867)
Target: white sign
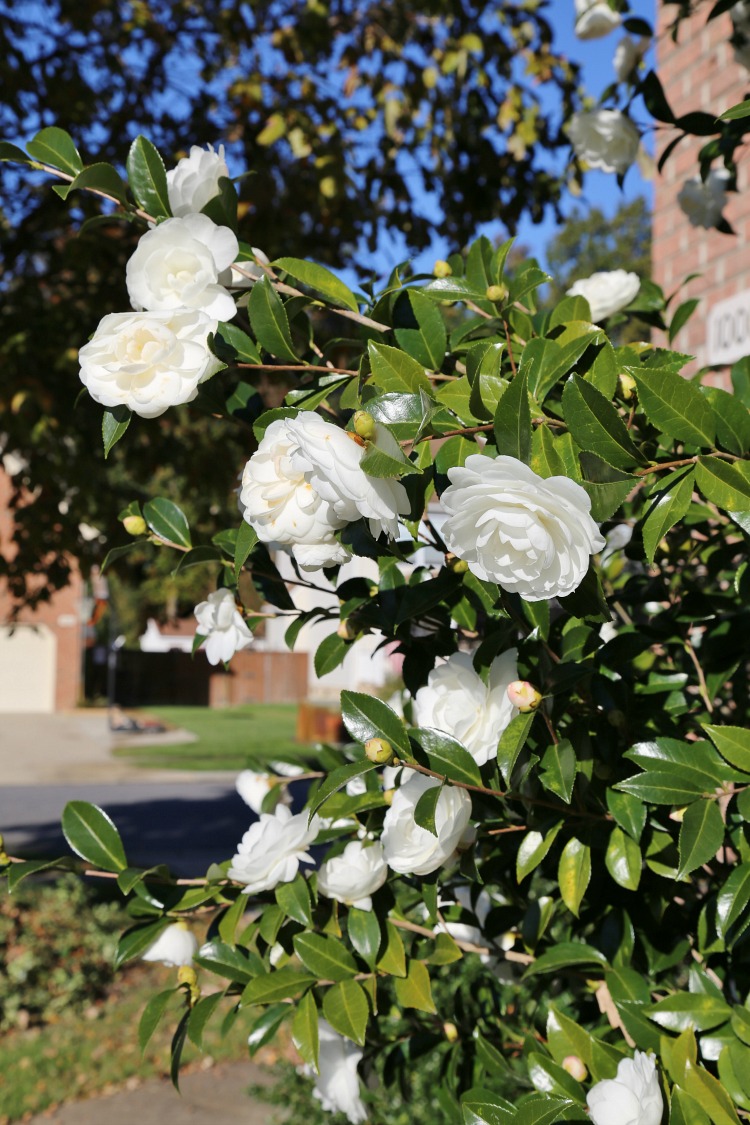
(729,330)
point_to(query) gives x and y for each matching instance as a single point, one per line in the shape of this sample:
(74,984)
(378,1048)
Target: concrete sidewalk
(78,746)
(206,1096)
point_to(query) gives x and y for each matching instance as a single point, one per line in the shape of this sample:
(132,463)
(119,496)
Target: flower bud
(346,630)
(379,751)
(186,974)
(135,525)
(388,795)
(458,566)
(627,386)
(442,268)
(364,425)
(575,1067)
(524,696)
(496,293)
(677,814)
(450,1031)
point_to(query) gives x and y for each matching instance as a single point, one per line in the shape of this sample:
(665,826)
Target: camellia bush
(528,876)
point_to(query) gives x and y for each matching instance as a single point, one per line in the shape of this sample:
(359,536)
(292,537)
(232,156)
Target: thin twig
(296,367)
(702,685)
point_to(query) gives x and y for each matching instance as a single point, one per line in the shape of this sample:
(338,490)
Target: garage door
(27,669)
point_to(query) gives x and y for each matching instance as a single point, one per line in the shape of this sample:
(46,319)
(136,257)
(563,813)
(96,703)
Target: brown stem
(296,367)
(413,928)
(510,350)
(702,685)
(684,461)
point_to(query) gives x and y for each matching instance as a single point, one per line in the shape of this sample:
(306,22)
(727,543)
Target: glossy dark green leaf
(330,653)
(366,717)
(661,787)
(54,146)
(701,835)
(447,756)
(269,321)
(167,521)
(623,860)
(93,836)
(596,426)
(305,1029)
(512,422)
(394,370)
(321,279)
(115,421)
(532,850)
(574,873)
(732,420)
(607,487)
(414,990)
(424,810)
(512,742)
(484,1107)
(17,872)
(629,812)
(363,929)
(451,289)
(135,941)
(668,506)
(674,406)
(681,316)
(733,743)
(550,1078)
(266,1026)
(247,537)
(723,484)
(102,178)
(736,112)
(380,462)
(558,769)
(279,984)
(337,780)
(733,899)
(326,957)
(200,1015)
(295,900)
(148,178)
(420,329)
(228,962)
(13,153)
(393,958)
(244,348)
(346,1008)
(682,1010)
(566,955)
(152,1015)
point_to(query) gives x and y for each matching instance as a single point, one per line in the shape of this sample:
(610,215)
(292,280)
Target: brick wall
(61,615)
(698,73)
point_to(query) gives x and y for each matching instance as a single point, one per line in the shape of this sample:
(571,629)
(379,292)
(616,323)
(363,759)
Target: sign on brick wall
(728,327)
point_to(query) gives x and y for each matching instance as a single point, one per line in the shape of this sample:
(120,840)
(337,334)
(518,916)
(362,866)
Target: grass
(228,739)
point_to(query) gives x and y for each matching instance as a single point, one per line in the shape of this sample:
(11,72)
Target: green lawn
(228,739)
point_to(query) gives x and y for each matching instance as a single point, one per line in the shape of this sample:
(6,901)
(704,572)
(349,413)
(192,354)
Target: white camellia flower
(223,626)
(195,179)
(337,1082)
(531,536)
(175,946)
(604,138)
(278,500)
(355,875)
(272,849)
(246,273)
(633,1097)
(148,361)
(628,53)
(456,700)
(412,850)
(704,200)
(184,263)
(254,788)
(594,19)
(330,459)
(606,292)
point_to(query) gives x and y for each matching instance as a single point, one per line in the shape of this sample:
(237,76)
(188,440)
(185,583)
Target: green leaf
(623,860)
(512,422)
(734,1063)
(151,1016)
(447,756)
(629,812)
(736,112)
(414,990)
(280,984)
(330,653)
(54,146)
(98,177)
(674,406)
(424,810)
(550,1078)
(247,537)
(453,289)
(574,873)
(733,743)
(136,941)
(393,957)
(668,507)
(732,420)
(683,1010)
(394,370)
(326,957)
(420,329)
(379,463)
(346,1008)
(13,153)
(542,1110)
(92,835)
(548,361)
(200,1015)
(733,899)
(701,835)
(176,1048)
(710,1095)
(294,899)
(606,487)
(115,422)
(305,1029)
(269,321)
(596,426)
(512,742)
(722,484)
(566,955)
(663,788)
(558,769)
(681,316)
(534,847)
(366,717)
(364,933)
(265,1027)
(167,521)
(148,178)
(225,961)
(741,1023)
(337,780)
(684,1110)
(321,279)
(243,346)
(483,1107)
(17,872)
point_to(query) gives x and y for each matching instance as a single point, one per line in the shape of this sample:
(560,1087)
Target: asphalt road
(186,825)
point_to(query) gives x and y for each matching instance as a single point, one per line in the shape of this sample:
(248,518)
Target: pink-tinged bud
(441,268)
(450,1031)
(380,751)
(135,525)
(364,425)
(575,1067)
(524,696)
